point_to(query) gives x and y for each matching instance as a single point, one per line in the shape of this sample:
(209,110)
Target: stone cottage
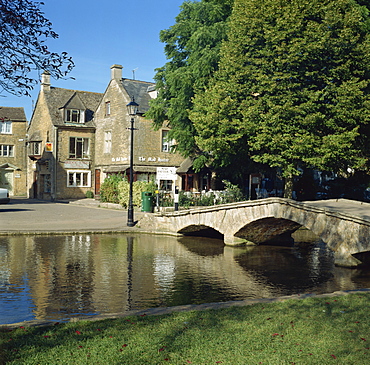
(152,156)
(13,166)
(61,146)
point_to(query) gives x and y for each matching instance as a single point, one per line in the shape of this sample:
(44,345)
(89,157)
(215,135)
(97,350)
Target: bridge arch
(201,231)
(257,221)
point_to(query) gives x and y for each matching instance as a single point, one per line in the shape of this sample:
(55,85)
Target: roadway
(27,216)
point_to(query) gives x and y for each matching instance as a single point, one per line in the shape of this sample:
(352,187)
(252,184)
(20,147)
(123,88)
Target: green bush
(232,193)
(109,189)
(89,194)
(138,187)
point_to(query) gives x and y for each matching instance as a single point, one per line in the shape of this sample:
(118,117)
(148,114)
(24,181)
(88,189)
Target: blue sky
(98,34)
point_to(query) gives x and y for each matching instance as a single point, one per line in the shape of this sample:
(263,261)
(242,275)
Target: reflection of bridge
(343,225)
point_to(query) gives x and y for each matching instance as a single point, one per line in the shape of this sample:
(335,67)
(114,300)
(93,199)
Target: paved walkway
(27,216)
(344,206)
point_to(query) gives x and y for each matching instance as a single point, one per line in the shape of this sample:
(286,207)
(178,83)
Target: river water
(60,277)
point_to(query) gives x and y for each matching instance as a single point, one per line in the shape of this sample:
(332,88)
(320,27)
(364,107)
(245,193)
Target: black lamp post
(132,109)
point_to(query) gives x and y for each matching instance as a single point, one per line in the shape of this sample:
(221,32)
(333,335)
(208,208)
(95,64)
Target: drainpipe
(54,172)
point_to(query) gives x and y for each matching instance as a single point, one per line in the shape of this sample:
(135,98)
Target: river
(59,277)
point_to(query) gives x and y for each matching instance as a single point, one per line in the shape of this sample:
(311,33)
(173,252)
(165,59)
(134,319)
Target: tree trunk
(288,188)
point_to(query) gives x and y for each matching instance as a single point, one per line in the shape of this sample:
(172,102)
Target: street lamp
(132,109)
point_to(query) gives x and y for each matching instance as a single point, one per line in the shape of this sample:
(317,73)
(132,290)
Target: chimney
(116,72)
(45,81)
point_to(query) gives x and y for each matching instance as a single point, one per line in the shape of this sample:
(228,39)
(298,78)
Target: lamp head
(132,107)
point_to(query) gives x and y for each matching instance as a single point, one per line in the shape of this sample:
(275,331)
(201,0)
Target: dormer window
(74,116)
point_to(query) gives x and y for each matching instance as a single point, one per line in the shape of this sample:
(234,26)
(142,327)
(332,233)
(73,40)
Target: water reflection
(56,277)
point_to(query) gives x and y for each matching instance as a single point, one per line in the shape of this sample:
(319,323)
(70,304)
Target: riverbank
(313,330)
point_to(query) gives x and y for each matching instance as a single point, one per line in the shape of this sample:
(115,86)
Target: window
(75,116)
(78,147)
(79,179)
(166,185)
(35,148)
(108,142)
(6,127)
(107,108)
(6,150)
(166,143)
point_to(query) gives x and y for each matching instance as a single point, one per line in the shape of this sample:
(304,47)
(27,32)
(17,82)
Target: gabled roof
(14,114)
(74,103)
(139,90)
(59,98)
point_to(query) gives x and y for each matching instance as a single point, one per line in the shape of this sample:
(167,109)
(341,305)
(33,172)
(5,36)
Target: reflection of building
(13,174)
(152,155)
(61,143)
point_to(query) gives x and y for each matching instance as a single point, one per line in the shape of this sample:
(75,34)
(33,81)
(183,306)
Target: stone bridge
(343,225)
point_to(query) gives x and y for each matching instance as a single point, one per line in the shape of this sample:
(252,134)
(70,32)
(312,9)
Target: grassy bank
(310,331)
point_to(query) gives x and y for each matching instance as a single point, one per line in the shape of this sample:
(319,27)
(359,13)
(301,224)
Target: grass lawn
(310,331)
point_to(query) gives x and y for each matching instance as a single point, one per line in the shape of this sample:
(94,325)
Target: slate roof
(59,98)
(139,90)
(14,114)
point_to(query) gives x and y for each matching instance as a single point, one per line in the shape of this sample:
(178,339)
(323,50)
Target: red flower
(78,332)
(125,345)
(333,356)
(275,334)
(363,339)
(161,349)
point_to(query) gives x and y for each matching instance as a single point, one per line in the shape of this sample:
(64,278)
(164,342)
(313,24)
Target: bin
(147,202)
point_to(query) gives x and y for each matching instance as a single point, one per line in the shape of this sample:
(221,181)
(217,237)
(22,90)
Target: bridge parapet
(258,221)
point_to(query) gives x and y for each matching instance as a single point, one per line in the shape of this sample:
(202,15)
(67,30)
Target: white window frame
(166,185)
(5,127)
(74,116)
(35,151)
(75,179)
(107,108)
(6,150)
(166,144)
(85,148)
(107,142)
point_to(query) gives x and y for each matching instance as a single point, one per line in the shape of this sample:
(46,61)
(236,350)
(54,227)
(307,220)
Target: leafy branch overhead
(24,32)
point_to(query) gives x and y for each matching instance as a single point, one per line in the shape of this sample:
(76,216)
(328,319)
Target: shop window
(166,185)
(79,179)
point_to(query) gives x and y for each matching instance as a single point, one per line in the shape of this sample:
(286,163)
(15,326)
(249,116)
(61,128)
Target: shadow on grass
(311,331)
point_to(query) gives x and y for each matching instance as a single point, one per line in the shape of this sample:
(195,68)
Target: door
(97,182)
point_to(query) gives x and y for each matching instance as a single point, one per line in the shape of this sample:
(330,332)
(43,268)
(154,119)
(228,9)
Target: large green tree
(192,47)
(293,87)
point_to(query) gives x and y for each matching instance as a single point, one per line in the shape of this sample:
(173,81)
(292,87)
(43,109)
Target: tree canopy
(192,47)
(292,89)
(23,34)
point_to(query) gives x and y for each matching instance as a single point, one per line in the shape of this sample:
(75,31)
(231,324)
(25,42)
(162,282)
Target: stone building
(152,156)
(13,166)
(61,146)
